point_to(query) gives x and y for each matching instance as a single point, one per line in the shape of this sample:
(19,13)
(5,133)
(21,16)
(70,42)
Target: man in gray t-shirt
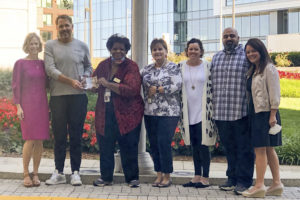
(66,61)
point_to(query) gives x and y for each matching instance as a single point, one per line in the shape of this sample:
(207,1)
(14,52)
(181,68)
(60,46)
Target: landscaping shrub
(10,131)
(5,83)
(282,60)
(289,152)
(294,57)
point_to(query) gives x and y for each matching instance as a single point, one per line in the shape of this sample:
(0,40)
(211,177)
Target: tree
(176,58)
(68,4)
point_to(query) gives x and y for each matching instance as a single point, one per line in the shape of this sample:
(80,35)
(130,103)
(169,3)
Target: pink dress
(29,90)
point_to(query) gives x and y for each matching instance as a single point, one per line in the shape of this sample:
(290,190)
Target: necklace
(192,81)
(193,85)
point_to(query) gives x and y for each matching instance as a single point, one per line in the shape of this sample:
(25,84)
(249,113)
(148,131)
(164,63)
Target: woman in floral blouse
(162,83)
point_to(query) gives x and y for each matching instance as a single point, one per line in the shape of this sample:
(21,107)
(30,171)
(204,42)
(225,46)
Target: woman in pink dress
(30,96)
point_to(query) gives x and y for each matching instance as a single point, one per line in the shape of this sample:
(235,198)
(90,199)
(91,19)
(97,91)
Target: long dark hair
(259,46)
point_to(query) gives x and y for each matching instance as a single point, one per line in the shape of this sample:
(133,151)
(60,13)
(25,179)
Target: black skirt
(260,130)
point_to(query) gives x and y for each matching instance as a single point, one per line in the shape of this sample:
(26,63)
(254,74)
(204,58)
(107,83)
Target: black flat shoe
(189,184)
(161,185)
(201,185)
(155,184)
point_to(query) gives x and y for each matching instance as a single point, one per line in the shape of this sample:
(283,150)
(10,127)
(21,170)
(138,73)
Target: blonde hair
(28,39)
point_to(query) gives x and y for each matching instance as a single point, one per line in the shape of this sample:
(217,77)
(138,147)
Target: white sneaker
(75,179)
(56,178)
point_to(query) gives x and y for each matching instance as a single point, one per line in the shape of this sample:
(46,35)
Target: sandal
(155,184)
(35,180)
(27,180)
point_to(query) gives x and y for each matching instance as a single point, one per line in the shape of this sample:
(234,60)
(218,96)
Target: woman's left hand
(272,120)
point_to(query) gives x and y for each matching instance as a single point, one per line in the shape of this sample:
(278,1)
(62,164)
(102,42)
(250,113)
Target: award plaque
(90,82)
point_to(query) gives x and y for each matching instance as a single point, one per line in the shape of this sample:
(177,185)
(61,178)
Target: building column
(139,43)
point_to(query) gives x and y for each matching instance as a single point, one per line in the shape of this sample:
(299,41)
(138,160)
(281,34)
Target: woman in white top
(197,111)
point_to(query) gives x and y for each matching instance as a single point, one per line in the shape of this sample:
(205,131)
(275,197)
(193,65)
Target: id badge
(107,95)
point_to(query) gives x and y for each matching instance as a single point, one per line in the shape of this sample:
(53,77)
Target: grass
(289,152)
(290,115)
(290,88)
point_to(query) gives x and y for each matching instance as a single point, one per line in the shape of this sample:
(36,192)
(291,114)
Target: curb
(87,179)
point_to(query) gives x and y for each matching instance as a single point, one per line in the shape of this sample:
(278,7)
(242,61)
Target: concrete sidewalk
(12,168)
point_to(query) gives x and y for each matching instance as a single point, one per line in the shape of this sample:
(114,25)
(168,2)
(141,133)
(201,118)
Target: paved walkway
(122,191)
(11,183)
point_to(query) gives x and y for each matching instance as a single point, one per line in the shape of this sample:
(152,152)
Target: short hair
(67,17)
(116,38)
(156,41)
(28,39)
(259,46)
(194,40)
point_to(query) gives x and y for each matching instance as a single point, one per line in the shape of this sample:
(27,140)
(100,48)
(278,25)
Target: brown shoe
(27,180)
(35,180)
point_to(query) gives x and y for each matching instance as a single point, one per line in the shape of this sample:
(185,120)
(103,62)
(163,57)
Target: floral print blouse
(169,77)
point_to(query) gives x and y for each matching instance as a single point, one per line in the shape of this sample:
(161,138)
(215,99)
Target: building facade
(48,10)
(17,19)
(180,20)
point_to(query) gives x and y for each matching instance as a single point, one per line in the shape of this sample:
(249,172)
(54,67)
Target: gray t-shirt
(70,59)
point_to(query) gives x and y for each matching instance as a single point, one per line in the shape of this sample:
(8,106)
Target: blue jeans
(68,114)
(160,131)
(235,136)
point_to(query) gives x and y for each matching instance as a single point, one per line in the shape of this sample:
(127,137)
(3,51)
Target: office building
(179,20)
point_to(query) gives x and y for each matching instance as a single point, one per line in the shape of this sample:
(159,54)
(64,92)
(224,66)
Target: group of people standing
(235,96)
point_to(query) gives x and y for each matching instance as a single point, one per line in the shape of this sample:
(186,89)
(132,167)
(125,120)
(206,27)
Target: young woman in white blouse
(197,111)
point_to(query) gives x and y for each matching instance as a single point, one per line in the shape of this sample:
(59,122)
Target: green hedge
(5,83)
(292,56)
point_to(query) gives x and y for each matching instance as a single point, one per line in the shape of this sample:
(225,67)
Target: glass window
(46,35)
(47,19)
(293,19)
(246,26)
(227,22)
(212,29)
(264,25)
(203,4)
(254,25)
(45,3)
(189,5)
(195,5)
(203,30)
(238,25)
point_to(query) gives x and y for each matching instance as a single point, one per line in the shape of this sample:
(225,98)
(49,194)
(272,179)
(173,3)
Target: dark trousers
(235,136)
(160,131)
(68,114)
(128,144)
(201,154)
